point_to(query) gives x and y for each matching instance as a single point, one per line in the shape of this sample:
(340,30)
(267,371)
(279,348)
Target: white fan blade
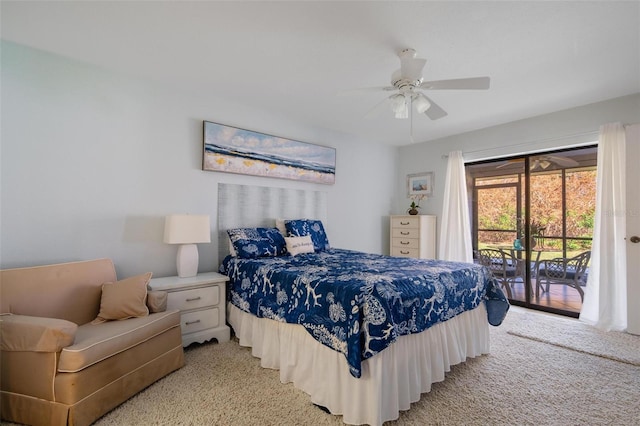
(474,83)
(365,89)
(561,161)
(510,162)
(376,109)
(434,112)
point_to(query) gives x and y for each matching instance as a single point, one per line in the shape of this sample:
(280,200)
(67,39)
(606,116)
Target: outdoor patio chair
(570,272)
(504,266)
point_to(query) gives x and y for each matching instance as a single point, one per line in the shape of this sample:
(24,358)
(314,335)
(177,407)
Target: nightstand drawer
(406,243)
(199,320)
(194,299)
(405,252)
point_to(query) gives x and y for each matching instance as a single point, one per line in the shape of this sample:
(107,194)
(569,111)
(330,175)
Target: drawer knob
(191,322)
(404,252)
(404,243)
(404,223)
(404,233)
(193,299)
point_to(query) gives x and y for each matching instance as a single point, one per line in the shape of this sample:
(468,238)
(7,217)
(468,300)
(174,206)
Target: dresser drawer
(193,299)
(406,243)
(405,252)
(405,233)
(405,222)
(199,320)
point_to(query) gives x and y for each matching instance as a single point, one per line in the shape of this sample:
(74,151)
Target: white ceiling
(294,58)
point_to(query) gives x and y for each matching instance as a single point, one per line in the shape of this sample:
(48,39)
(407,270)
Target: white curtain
(455,226)
(605,299)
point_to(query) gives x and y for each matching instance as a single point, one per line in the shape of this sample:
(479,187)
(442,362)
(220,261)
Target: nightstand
(201,301)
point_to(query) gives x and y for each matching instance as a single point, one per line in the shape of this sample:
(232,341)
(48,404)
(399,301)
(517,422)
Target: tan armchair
(61,367)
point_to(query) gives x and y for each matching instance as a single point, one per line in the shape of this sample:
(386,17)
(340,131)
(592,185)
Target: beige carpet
(522,382)
(572,334)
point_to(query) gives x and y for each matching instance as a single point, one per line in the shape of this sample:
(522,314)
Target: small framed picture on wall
(420,184)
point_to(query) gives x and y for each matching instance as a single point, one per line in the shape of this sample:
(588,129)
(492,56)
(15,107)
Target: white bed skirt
(391,380)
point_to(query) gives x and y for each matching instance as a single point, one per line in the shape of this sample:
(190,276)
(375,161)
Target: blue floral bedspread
(359,303)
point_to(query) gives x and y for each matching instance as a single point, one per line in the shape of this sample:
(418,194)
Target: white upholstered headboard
(244,206)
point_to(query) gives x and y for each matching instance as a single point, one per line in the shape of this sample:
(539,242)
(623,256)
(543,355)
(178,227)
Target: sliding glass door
(534,215)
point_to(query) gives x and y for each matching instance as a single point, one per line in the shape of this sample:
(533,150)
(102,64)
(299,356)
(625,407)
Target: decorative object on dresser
(420,184)
(201,300)
(233,150)
(187,230)
(413,236)
(415,204)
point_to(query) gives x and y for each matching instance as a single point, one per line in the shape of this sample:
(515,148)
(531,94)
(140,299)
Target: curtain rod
(537,141)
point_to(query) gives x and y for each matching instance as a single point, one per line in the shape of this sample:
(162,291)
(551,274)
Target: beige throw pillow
(297,245)
(157,301)
(124,299)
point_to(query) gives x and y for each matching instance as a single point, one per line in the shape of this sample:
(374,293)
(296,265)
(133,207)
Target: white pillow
(297,245)
(281,227)
(232,249)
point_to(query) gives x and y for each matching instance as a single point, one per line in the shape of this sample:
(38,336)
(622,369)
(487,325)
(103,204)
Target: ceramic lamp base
(187,260)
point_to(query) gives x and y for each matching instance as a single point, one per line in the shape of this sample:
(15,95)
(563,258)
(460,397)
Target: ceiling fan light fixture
(402,112)
(407,81)
(399,106)
(422,103)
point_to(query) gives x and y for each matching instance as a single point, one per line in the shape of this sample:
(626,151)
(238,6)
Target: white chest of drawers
(201,301)
(413,236)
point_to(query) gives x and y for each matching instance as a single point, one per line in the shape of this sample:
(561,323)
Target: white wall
(551,131)
(92,161)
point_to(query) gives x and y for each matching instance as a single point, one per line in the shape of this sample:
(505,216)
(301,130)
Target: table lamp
(187,230)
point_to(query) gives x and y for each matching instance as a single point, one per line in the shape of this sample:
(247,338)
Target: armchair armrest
(157,300)
(22,333)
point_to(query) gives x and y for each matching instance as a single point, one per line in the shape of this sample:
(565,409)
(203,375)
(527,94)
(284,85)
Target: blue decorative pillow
(257,242)
(314,228)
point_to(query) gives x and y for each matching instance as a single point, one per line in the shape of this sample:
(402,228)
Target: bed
(363,334)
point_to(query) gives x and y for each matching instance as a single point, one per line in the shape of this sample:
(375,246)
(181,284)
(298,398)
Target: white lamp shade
(187,229)
(399,106)
(422,103)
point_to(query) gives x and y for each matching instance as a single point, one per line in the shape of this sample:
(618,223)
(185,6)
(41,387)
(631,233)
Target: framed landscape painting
(420,184)
(233,150)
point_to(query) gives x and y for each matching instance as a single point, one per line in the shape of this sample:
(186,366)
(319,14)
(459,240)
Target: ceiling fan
(408,85)
(543,162)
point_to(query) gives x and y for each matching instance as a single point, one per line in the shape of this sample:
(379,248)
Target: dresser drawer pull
(405,243)
(404,252)
(404,223)
(404,233)
(191,322)
(193,299)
